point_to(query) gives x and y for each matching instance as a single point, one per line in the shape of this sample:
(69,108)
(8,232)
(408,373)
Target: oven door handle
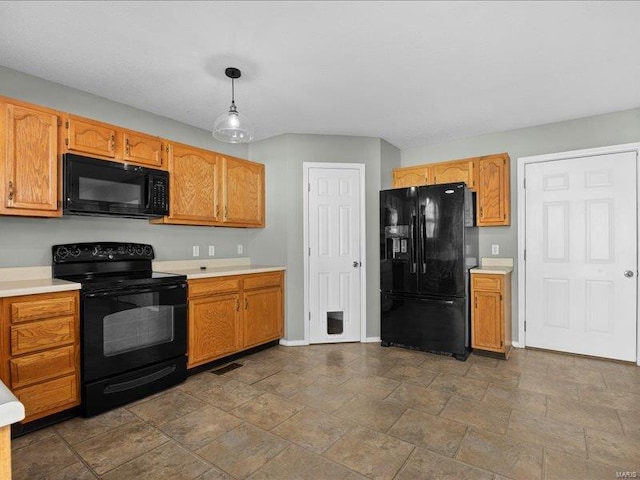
(120,291)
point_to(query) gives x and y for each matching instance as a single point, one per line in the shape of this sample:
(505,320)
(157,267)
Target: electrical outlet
(212,250)
(196,251)
(240,249)
(495,249)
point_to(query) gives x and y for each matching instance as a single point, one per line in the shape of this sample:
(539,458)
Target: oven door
(129,328)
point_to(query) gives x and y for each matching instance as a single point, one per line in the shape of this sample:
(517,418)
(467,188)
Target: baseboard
(371,340)
(293,343)
(517,345)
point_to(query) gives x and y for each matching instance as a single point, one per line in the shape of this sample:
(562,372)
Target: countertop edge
(16,291)
(194,274)
(492,270)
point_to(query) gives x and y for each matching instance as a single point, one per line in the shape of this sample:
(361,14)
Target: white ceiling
(413,73)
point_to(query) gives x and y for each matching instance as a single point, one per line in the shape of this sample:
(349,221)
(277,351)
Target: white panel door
(581,265)
(334,255)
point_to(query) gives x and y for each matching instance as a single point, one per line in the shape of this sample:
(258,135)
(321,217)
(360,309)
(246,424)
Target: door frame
(306,166)
(521,178)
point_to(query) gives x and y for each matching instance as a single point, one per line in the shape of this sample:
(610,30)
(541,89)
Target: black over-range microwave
(100,187)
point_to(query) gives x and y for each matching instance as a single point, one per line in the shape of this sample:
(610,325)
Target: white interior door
(335,281)
(581,255)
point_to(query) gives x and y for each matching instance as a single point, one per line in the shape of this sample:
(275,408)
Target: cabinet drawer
(486,282)
(213,286)
(42,366)
(31,337)
(40,399)
(259,280)
(27,309)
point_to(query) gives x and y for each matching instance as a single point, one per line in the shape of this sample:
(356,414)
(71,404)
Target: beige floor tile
(419,398)
(295,463)
(198,428)
(374,414)
(243,450)
(584,414)
(80,429)
(563,466)
(481,415)
(33,437)
(505,456)
(41,459)
(267,410)
(484,360)
(462,386)
(550,358)
(252,371)
(411,374)
(313,430)
(406,356)
(372,365)
(614,449)
(77,471)
(284,384)
(547,432)
(373,454)
(425,464)
(605,397)
(167,407)
(230,395)
(630,421)
(202,382)
(371,386)
(516,398)
(534,382)
(445,364)
(103,453)
(167,462)
(215,474)
(321,396)
(504,378)
(577,375)
(428,431)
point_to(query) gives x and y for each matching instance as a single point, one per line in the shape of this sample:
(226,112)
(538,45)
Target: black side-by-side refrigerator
(428,244)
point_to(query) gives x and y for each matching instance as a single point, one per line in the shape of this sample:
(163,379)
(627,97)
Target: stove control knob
(131,250)
(147,250)
(75,252)
(110,256)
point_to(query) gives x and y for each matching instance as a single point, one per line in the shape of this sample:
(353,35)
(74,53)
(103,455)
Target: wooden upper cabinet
(493,202)
(28,160)
(412,176)
(83,135)
(453,172)
(193,186)
(142,149)
(242,188)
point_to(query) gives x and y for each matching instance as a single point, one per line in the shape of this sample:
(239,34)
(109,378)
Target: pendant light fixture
(232,127)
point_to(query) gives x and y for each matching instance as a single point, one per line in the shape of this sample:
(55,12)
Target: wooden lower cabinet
(491,313)
(233,313)
(40,351)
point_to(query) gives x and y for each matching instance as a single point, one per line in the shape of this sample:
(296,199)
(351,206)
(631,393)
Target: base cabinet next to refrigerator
(491,313)
(429,324)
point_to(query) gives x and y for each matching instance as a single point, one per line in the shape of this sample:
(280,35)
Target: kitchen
(27,241)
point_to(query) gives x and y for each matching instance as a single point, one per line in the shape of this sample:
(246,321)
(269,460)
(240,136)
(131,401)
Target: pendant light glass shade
(231,126)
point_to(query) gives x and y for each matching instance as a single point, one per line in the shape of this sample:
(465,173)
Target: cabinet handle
(246,303)
(237,305)
(10,191)
(126,146)
(113,142)
(481,211)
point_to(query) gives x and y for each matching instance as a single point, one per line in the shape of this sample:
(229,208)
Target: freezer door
(441,229)
(398,240)
(428,324)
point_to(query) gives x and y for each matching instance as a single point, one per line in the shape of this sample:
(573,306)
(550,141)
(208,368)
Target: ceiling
(413,73)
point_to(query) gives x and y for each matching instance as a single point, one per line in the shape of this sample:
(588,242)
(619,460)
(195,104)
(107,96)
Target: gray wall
(283,238)
(27,241)
(602,130)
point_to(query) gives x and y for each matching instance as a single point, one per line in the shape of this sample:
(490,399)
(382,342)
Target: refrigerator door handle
(423,240)
(414,246)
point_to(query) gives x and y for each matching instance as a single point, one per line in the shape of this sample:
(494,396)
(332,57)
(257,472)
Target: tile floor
(357,411)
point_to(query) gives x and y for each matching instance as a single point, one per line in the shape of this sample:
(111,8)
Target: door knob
(356,264)
(628,273)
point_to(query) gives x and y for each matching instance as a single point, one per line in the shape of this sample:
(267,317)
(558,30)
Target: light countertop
(209,272)
(493,265)
(496,270)
(14,288)
(11,410)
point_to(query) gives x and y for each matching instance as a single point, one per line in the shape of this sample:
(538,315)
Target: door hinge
(525,325)
(309,316)
(66,141)
(309,251)
(59,122)
(308,186)
(500,297)
(524,183)
(501,343)
(66,124)
(525,254)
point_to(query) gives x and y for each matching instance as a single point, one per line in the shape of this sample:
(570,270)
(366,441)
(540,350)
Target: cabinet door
(28,161)
(451,172)
(487,322)
(263,316)
(411,177)
(88,136)
(242,192)
(214,328)
(142,149)
(193,180)
(493,190)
